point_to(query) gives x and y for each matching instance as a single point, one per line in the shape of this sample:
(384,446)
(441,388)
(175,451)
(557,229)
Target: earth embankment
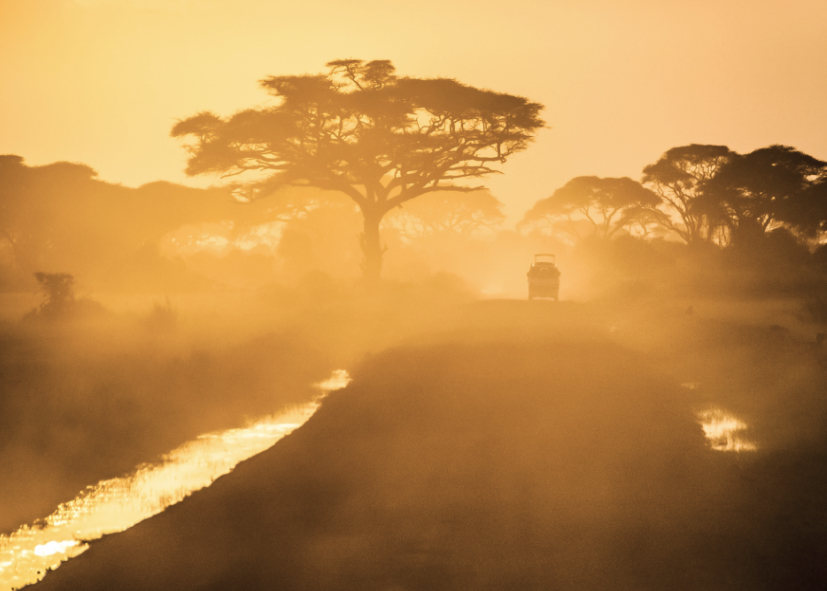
(538,462)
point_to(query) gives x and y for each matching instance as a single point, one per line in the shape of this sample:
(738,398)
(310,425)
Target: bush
(59,299)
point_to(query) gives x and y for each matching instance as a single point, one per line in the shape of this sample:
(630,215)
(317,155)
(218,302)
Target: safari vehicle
(543,278)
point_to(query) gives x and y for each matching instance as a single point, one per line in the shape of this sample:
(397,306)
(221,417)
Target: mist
(658,422)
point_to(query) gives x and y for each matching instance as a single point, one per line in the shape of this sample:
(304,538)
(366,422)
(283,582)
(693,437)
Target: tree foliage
(712,194)
(678,178)
(380,139)
(593,205)
(769,188)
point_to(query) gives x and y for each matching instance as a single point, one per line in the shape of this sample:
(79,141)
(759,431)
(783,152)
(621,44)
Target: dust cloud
(486,441)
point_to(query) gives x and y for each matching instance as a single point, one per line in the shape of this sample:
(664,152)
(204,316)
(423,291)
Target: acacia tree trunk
(371,247)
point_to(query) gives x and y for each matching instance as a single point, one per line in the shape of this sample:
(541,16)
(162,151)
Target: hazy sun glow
(128,69)
(117,504)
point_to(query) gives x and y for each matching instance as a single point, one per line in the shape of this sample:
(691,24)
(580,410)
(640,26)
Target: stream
(117,504)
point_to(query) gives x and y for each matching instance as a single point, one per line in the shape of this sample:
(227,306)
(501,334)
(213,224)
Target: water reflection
(117,504)
(724,431)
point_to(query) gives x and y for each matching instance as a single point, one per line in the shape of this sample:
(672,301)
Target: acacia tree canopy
(606,204)
(771,187)
(359,129)
(678,178)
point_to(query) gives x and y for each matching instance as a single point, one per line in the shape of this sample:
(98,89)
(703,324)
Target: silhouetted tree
(603,206)
(361,130)
(462,215)
(677,178)
(772,187)
(59,294)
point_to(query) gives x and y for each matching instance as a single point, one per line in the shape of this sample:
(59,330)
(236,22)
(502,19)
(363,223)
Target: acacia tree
(359,129)
(604,205)
(678,178)
(769,188)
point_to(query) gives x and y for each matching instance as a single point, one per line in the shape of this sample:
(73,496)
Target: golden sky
(102,81)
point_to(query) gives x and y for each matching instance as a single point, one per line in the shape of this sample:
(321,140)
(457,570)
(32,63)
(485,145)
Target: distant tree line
(358,149)
(696,194)
(62,220)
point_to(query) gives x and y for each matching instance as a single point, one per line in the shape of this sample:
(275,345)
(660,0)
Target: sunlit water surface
(117,504)
(724,431)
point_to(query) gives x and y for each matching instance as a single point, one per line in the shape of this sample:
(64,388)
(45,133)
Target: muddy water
(114,505)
